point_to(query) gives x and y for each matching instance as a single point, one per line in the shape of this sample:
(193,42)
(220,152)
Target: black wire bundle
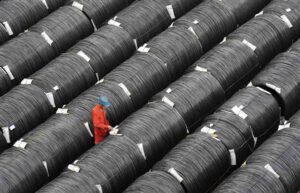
(71,73)
(119,161)
(273,167)
(194,95)
(17,15)
(98,10)
(251,179)
(258,108)
(221,143)
(197,159)
(232,63)
(274,79)
(156,182)
(235,133)
(290,9)
(65,27)
(268,33)
(163,58)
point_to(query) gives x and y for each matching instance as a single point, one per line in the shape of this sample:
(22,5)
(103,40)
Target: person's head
(103,100)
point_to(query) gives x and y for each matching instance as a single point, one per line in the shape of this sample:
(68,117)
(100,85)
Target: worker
(100,122)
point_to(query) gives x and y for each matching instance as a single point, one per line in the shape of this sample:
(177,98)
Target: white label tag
(11,76)
(200,69)
(171,11)
(51,99)
(195,22)
(260,13)
(12,127)
(56,88)
(62,111)
(249,45)
(288,10)
(263,90)
(47,38)
(167,101)
(8,28)
(284,126)
(84,56)
(125,89)
(224,40)
(277,89)
(74,168)
(144,49)
(287,21)
(250,84)
(232,157)
(20,144)
(99,187)
(26,81)
(270,169)
(5,132)
(169,90)
(77,5)
(239,112)
(208,130)
(87,126)
(174,173)
(141,148)
(46,167)
(192,30)
(113,22)
(45,3)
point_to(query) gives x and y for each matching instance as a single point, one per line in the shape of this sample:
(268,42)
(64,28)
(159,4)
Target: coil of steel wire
(77,70)
(274,79)
(156,182)
(273,167)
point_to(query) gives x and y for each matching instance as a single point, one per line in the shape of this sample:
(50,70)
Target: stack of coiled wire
(72,131)
(75,71)
(221,143)
(54,34)
(18,15)
(272,168)
(274,78)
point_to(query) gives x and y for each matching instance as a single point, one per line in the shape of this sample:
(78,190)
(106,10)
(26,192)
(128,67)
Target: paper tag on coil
(169,90)
(77,5)
(84,56)
(51,99)
(239,112)
(174,173)
(167,101)
(5,132)
(45,3)
(270,169)
(232,157)
(208,130)
(62,111)
(125,89)
(74,168)
(99,188)
(277,89)
(200,69)
(141,148)
(46,167)
(144,49)
(26,81)
(20,144)
(113,22)
(7,70)
(87,126)
(253,47)
(287,21)
(8,28)
(260,13)
(171,11)
(47,38)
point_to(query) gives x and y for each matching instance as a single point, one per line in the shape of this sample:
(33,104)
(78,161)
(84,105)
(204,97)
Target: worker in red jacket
(100,122)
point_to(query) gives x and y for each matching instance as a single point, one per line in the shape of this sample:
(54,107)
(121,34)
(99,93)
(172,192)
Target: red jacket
(101,124)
